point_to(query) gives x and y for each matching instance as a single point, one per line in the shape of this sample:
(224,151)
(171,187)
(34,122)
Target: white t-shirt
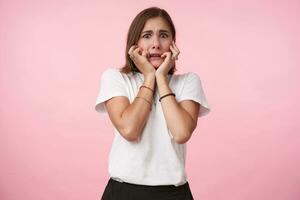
(156,159)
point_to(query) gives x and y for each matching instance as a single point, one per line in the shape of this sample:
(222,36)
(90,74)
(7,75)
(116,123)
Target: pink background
(54,145)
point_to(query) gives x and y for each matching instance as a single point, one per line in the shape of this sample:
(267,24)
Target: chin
(156,64)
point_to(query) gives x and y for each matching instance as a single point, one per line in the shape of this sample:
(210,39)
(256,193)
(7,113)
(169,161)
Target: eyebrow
(161,31)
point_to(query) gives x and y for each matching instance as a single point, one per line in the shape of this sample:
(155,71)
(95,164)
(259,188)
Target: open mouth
(155,56)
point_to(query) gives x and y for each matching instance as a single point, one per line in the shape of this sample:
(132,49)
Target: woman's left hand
(169,61)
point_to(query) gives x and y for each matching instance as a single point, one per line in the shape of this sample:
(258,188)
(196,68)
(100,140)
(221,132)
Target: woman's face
(155,37)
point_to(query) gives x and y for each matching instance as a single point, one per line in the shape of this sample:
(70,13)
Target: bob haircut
(135,30)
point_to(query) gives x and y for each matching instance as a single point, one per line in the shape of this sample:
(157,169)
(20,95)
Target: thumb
(164,55)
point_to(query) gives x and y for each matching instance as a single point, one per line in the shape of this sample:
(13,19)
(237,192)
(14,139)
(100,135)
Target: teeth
(155,55)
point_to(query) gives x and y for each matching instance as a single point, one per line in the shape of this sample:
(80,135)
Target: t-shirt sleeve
(112,84)
(192,90)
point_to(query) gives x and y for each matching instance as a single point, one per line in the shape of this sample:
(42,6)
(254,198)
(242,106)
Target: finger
(132,53)
(174,51)
(172,48)
(169,54)
(165,54)
(136,51)
(131,49)
(175,56)
(176,48)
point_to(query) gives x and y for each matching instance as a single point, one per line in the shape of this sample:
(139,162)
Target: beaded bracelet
(166,95)
(145,100)
(147,88)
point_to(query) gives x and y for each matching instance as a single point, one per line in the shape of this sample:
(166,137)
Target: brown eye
(146,36)
(165,35)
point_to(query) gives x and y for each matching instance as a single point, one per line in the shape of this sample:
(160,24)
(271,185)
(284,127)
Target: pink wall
(54,145)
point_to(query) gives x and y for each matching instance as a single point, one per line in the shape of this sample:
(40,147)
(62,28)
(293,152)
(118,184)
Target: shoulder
(112,73)
(192,75)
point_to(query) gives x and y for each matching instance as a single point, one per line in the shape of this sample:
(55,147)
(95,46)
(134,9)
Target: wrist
(159,74)
(160,78)
(150,76)
(149,81)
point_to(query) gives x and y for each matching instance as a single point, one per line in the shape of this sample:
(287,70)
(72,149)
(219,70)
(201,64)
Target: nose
(155,43)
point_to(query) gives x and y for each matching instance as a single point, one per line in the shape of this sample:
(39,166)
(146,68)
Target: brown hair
(135,30)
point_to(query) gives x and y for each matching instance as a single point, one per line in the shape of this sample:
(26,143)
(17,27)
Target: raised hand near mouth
(140,59)
(169,61)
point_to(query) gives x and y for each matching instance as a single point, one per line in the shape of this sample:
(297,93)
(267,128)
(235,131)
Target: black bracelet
(165,96)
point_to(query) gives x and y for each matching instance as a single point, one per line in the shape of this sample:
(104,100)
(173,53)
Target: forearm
(178,120)
(136,115)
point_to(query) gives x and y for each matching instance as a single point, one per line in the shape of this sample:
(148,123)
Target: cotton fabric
(155,159)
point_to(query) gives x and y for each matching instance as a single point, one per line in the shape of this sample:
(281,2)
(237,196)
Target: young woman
(153,112)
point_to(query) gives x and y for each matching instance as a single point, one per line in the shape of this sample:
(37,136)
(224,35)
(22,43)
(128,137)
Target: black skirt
(116,190)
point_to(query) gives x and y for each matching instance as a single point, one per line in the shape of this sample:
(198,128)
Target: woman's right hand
(140,59)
